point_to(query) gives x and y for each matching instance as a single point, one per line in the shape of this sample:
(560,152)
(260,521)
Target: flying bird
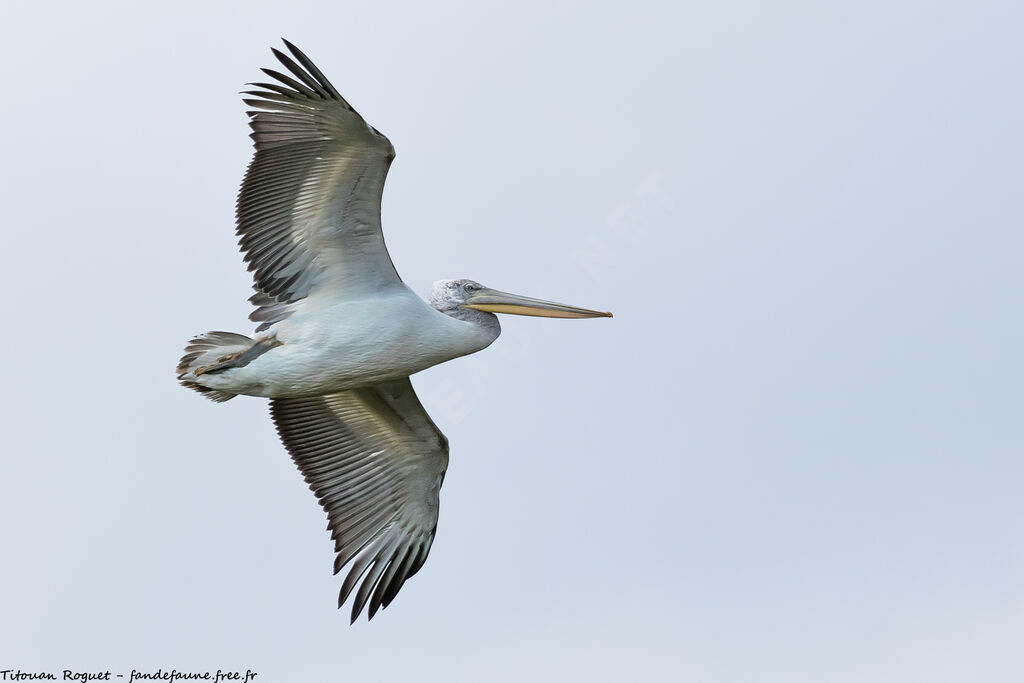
(339,333)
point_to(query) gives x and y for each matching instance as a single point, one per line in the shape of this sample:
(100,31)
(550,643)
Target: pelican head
(453,296)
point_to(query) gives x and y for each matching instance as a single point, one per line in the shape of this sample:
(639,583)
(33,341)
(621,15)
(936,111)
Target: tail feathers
(204,352)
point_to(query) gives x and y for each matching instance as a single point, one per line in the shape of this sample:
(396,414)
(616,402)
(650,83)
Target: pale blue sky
(793,455)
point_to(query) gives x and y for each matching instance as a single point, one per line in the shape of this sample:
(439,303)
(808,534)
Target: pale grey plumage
(339,333)
(308,212)
(375,461)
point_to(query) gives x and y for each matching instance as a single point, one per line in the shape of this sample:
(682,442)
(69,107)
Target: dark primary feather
(308,211)
(375,461)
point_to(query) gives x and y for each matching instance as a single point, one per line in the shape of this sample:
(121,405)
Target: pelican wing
(308,211)
(375,461)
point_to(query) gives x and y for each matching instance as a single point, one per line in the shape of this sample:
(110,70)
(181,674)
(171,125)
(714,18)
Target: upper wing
(375,461)
(308,212)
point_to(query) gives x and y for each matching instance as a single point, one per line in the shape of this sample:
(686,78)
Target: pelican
(339,333)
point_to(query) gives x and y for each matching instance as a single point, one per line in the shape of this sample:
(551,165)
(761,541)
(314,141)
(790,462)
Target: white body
(329,345)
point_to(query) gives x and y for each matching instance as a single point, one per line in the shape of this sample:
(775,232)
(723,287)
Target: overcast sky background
(793,455)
